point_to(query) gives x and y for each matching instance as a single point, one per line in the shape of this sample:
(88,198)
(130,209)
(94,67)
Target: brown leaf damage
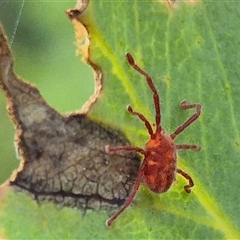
(83,46)
(81,32)
(63,158)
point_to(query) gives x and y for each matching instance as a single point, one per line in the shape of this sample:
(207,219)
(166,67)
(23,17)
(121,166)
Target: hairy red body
(160,169)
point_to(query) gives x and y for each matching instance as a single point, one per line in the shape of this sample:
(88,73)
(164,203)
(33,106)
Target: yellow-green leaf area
(39,221)
(44,221)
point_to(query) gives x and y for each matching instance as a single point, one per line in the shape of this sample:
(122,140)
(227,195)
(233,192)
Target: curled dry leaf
(82,37)
(63,158)
(83,44)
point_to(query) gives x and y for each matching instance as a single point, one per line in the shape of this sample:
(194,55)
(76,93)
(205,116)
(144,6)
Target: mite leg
(130,198)
(142,118)
(126,148)
(193,118)
(156,98)
(187,146)
(190,181)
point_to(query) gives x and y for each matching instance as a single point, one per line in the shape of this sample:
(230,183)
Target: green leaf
(190,50)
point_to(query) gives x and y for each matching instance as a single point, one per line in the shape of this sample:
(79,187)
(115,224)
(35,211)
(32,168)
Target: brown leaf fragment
(81,32)
(82,5)
(83,45)
(63,158)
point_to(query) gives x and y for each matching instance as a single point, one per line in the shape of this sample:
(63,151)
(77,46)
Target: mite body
(159,166)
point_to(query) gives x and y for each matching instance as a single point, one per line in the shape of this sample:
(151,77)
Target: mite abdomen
(159,175)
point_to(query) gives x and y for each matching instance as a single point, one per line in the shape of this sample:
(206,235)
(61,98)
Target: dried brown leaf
(63,158)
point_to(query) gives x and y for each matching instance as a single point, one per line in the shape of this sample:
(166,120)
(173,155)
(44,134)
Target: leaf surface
(190,50)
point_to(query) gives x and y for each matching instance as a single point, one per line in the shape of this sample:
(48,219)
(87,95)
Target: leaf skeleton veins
(63,158)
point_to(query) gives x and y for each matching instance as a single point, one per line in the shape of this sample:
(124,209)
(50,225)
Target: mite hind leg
(188,177)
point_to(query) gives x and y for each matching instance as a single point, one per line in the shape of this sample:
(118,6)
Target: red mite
(160,158)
